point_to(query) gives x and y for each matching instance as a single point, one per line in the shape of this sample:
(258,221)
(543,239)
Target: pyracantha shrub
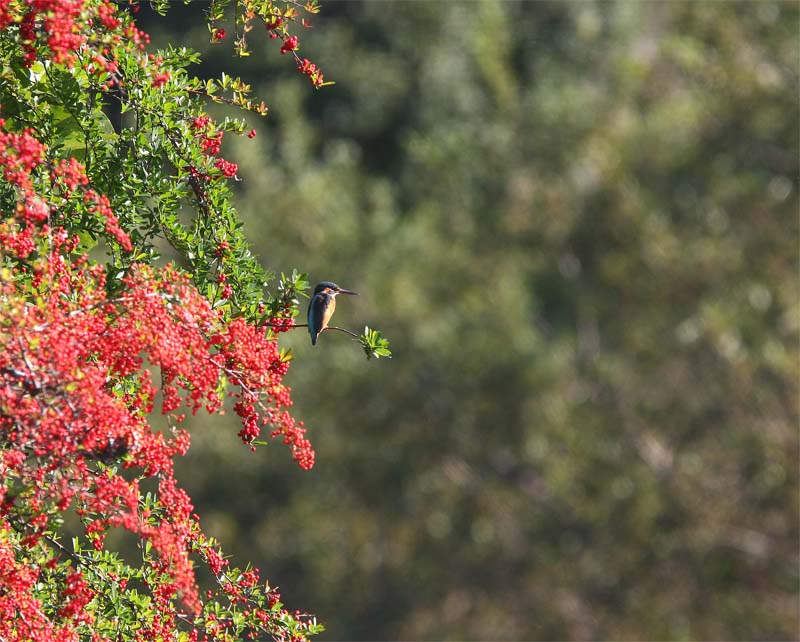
(102,359)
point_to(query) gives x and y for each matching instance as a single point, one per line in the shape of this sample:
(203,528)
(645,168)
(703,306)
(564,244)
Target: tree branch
(305,325)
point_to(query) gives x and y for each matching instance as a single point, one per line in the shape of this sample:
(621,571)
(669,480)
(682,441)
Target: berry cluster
(211,143)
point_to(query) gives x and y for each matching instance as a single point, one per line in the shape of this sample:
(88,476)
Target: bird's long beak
(343,291)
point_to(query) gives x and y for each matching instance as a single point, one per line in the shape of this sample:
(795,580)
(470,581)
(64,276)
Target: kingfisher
(321,307)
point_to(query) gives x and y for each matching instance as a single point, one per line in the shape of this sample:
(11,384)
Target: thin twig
(352,334)
(305,325)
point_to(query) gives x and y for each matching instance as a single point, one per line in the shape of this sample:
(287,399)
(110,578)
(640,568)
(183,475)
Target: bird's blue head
(331,287)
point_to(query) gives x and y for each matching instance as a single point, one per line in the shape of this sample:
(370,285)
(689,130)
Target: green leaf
(103,123)
(69,133)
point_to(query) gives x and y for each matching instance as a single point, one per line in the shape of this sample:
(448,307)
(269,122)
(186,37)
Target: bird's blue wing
(320,310)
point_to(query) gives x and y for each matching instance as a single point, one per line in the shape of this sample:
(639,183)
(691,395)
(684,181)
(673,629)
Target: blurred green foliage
(578,224)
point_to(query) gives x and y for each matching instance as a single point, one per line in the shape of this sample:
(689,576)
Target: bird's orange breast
(327,312)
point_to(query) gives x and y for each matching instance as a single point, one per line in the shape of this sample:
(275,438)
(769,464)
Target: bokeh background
(577,222)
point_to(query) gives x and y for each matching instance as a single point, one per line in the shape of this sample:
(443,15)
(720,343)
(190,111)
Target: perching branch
(305,325)
(352,334)
(372,341)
